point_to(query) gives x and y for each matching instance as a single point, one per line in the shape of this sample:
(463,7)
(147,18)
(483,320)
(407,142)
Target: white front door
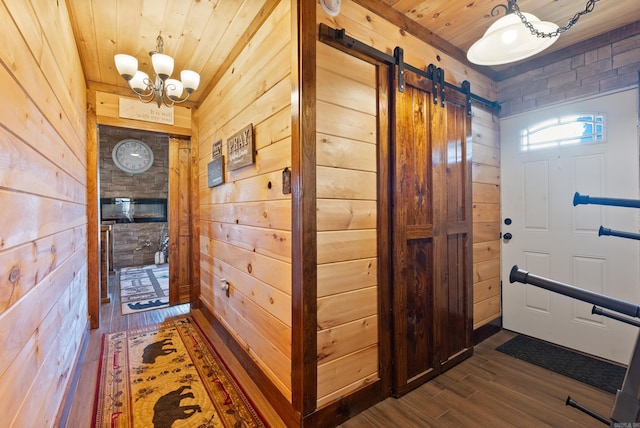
(554,239)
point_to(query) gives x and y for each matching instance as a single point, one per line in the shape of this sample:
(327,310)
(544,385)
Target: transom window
(563,131)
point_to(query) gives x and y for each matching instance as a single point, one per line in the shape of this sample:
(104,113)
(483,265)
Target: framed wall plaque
(215,168)
(240,148)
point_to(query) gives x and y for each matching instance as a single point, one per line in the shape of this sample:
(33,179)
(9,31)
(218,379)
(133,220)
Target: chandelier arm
(496,12)
(170,103)
(146,100)
(167,102)
(588,9)
(182,100)
(143,95)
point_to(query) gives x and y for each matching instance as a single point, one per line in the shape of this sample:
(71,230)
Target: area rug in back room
(144,288)
(167,376)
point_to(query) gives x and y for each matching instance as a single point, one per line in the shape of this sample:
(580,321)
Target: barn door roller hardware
(339,39)
(433,73)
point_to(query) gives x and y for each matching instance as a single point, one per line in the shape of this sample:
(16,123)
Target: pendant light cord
(591,4)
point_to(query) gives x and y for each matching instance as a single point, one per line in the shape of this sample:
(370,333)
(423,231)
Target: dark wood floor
(489,389)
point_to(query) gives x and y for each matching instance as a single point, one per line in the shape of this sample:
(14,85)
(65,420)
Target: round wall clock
(132,156)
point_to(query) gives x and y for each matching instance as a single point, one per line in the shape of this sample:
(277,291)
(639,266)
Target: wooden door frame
(94,119)
(381,389)
(385,314)
(340,410)
(93,213)
(180,205)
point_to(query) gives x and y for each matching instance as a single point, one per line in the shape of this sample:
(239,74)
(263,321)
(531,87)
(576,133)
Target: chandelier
(162,88)
(518,35)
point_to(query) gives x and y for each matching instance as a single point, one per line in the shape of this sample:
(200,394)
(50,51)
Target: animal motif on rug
(157,349)
(143,288)
(168,375)
(152,304)
(168,409)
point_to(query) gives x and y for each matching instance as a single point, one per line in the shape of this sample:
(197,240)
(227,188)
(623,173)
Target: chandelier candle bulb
(174,89)
(190,80)
(127,65)
(162,64)
(139,82)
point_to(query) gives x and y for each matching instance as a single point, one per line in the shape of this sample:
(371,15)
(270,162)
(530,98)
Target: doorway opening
(133,214)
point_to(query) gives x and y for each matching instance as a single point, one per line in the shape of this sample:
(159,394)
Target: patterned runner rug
(144,288)
(167,375)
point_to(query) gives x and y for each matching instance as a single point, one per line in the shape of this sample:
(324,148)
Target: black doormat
(592,371)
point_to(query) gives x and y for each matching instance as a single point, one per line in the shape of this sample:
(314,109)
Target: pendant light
(517,35)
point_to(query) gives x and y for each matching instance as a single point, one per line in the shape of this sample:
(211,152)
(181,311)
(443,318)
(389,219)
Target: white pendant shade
(139,81)
(173,89)
(508,40)
(332,7)
(126,65)
(190,80)
(162,64)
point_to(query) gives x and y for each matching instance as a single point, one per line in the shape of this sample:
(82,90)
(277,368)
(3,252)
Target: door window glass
(563,131)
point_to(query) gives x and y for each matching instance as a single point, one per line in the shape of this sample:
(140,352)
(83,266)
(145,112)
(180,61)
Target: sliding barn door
(431,232)
(454,267)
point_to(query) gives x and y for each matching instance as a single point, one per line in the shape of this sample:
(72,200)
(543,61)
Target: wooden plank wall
(43,240)
(486,216)
(385,36)
(346,158)
(245,223)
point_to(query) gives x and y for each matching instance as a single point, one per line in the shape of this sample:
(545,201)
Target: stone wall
(134,244)
(599,70)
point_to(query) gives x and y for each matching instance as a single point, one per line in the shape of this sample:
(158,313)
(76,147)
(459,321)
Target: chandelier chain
(160,43)
(591,4)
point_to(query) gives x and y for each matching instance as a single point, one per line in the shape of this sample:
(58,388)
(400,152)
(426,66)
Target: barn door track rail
(339,39)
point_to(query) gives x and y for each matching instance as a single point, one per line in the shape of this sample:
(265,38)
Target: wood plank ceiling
(204,35)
